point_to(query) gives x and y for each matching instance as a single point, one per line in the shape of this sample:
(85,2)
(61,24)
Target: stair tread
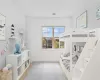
(87,59)
(82,69)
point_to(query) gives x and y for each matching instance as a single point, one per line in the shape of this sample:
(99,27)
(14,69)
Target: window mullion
(53,37)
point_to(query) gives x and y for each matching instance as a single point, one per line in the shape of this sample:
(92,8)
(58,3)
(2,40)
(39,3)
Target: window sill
(54,49)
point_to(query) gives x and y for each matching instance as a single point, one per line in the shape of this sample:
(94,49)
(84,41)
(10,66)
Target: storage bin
(7,75)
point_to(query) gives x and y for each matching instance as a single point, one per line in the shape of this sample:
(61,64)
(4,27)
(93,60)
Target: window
(50,36)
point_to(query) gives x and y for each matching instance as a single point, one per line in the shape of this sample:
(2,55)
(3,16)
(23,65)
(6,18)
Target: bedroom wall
(91,7)
(13,16)
(34,37)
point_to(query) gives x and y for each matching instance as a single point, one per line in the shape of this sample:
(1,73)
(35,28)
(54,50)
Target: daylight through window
(50,36)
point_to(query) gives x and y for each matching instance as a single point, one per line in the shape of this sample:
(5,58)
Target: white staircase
(92,69)
(87,62)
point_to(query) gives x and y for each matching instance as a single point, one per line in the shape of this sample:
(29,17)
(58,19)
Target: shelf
(23,72)
(22,63)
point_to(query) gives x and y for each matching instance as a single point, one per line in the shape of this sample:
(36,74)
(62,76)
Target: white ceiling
(45,8)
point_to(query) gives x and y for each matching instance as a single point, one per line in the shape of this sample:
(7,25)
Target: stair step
(82,69)
(87,59)
(91,53)
(75,79)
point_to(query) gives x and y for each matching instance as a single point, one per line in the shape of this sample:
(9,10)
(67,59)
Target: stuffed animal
(17,49)
(9,66)
(5,69)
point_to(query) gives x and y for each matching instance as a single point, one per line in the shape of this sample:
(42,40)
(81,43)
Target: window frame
(52,38)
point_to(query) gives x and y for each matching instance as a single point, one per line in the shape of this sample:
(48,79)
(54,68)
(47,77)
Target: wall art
(2,27)
(81,21)
(98,13)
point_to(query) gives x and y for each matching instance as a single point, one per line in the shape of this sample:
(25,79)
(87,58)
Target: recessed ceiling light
(53,13)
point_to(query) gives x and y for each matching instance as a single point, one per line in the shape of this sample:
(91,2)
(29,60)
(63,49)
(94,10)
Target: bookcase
(20,63)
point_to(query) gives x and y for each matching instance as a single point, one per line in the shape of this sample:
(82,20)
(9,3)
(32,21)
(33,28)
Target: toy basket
(7,75)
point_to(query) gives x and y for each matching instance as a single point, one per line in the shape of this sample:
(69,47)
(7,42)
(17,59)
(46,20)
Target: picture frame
(81,21)
(98,13)
(2,26)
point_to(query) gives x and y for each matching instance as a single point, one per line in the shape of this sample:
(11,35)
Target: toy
(5,69)
(17,49)
(9,66)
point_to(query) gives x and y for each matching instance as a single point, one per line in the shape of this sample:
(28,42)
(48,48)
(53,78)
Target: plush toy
(5,69)
(2,52)
(17,49)
(9,66)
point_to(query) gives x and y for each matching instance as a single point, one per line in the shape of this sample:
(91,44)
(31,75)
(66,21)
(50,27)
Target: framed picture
(2,27)
(81,21)
(98,13)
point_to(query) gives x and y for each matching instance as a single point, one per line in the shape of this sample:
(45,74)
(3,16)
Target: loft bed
(86,45)
(75,41)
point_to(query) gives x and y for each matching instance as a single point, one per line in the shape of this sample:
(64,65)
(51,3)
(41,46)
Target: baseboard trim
(45,61)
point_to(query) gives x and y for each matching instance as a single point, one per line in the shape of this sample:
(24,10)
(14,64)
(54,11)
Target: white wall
(34,37)
(90,6)
(13,16)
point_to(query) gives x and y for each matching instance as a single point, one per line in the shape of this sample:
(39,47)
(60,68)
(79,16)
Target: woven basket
(6,75)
